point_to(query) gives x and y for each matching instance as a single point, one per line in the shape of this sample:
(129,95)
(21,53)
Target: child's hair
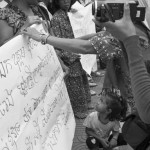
(117,104)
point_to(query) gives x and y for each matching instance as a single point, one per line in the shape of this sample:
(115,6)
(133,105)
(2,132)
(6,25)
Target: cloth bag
(136,133)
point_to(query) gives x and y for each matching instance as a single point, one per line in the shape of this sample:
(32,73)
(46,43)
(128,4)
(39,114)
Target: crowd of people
(124,47)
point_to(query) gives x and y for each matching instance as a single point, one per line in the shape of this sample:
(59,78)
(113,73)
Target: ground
(80,136)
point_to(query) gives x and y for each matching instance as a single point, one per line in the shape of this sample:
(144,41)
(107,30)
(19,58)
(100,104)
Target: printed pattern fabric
(15,17)
(76,82)
(113,54)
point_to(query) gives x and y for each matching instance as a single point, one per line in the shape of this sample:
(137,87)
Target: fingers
(108,24)
(97,23)
(37,20)
(33,19)
(25,32)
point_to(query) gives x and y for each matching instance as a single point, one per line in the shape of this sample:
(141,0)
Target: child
(99,124)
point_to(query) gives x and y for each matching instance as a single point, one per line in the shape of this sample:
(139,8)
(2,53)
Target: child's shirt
(103,130)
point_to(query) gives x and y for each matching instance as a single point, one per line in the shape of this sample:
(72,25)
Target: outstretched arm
(87,37)
(71,45)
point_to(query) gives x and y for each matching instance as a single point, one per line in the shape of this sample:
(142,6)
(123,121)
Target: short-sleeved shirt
(106,45)
(103,130)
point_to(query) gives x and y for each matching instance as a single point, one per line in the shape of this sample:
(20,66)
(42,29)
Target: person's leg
(93,143)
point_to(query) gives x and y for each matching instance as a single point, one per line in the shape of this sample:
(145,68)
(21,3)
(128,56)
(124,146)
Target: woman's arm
(71,45)
(87,37)
(140,78)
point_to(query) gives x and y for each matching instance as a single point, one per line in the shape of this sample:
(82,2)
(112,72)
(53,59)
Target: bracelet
(47,38)
(44,38)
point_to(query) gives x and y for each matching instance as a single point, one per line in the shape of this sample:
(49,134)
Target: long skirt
(78,90)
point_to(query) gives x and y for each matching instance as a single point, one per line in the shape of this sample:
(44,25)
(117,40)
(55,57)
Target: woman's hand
(32,33)
(30,21)
(122,28)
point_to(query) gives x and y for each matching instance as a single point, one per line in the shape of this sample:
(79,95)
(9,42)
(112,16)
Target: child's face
(102,104)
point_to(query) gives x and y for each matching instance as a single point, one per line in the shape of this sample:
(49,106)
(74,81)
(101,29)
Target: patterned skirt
(78,90)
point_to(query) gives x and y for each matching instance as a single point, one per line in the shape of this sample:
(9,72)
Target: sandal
(92,92)
(98,74)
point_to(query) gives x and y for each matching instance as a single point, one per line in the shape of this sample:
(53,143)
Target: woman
(125,31)
(44,5)
(17,15)
(76,81)
(117,76)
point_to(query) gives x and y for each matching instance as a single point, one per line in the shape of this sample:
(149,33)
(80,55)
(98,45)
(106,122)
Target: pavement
(80,135)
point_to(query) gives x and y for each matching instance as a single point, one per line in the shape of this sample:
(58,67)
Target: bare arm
(70,45)
(87,37)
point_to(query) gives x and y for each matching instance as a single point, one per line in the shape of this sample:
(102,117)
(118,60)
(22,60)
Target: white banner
(35,110)
(82,24)
(2,3)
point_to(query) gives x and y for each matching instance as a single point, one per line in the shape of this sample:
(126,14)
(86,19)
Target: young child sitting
(105,120)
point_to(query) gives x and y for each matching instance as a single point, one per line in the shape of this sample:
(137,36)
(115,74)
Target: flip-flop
(98,74)
(92,92)
(92,84)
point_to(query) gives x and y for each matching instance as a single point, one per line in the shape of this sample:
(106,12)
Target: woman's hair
(116,103)
(55,5)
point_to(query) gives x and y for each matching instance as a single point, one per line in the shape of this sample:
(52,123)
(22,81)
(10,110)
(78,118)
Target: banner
(2,3)
(147,15)
(35,110)
(82,24)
